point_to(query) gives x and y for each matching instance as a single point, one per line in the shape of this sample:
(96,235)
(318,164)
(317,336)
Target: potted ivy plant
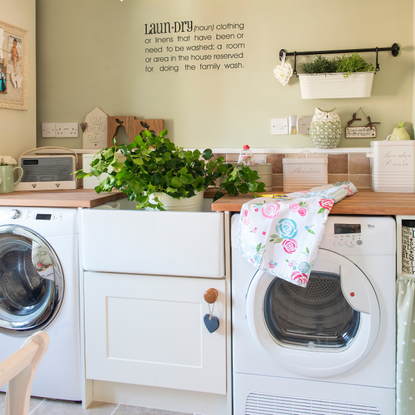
(152,167)
(347,77)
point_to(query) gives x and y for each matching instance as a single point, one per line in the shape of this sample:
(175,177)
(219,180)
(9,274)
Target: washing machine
(39,291)
(328,348)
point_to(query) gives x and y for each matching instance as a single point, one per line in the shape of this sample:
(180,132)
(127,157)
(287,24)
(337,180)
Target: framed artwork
(13,67)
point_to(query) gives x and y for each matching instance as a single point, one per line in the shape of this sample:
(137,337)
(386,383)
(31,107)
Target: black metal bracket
(394,49)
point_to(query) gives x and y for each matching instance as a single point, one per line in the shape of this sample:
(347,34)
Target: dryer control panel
(360,235)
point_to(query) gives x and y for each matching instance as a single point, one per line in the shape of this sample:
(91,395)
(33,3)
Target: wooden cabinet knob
(211,295)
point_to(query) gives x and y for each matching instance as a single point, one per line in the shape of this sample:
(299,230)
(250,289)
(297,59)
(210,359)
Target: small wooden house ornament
(95,129)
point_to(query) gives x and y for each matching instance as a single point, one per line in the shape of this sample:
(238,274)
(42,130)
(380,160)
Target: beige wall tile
(276,161)
(359,163)
(338,164)
(216,155)
(277,180)
(232,157)
(334,178)
(360,180)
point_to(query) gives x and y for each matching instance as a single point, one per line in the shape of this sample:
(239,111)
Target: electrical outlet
(304,125)
(279,126)
(48,129)
(67,129)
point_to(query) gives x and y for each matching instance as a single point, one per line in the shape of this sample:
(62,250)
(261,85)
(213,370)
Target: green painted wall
(92,53)
(18,128)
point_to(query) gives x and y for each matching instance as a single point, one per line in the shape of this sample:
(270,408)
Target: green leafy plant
(152,163)
(320,64)
(347,64)
(353,63)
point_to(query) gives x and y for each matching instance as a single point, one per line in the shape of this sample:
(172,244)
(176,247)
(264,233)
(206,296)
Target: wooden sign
(132,126)
(95,129)
(360,132)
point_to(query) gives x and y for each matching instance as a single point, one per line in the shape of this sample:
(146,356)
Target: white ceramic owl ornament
(326,128)
(284,71)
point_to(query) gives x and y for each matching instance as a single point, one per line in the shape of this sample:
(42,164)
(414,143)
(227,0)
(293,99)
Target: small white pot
(191,204)
(335,85)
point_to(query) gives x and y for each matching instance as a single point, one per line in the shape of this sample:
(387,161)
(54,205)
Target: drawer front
(157,243)
(149,330)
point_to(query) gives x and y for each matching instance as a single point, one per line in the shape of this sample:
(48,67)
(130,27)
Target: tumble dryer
(39,291)
(328,348)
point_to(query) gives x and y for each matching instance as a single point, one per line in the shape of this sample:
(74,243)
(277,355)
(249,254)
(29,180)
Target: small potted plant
(347,77)
(152,167)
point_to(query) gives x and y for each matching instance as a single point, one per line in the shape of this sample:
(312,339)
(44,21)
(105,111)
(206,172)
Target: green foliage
(320,64)
(400,124)
(353,63)
(347,64)
(152,163)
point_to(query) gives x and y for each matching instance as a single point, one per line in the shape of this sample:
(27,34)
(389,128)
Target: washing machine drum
(31,281)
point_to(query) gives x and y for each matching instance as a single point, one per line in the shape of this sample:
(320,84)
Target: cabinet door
(149,330)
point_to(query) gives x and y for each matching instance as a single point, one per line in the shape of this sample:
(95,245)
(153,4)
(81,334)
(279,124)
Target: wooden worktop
(364,202)
(59,198)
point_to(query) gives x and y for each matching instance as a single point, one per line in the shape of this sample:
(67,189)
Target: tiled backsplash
(353,167)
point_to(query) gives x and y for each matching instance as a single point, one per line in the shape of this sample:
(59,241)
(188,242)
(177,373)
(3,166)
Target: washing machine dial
(14,214)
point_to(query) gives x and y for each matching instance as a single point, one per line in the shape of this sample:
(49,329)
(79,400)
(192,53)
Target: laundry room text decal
(184,46)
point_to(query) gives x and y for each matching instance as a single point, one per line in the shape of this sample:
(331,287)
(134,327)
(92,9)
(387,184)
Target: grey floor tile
(34,402)
(54,407)
(138,410)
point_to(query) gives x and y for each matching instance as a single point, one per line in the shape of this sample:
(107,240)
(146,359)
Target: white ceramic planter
(191,204)
(335,85)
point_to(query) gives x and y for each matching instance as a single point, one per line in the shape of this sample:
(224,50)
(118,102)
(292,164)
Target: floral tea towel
(282,236)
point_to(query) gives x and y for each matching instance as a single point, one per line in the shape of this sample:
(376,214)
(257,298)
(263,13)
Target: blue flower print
(287,228)
(252,250)
(257,258)
(304,267)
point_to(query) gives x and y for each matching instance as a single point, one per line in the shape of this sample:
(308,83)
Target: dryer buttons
(14,214)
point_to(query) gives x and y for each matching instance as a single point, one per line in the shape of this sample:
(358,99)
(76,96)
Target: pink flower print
(302,211)
(245,213)
(246,221)
(289,245)
(264,233)
(256,209)
(326,203)
(271,266)
(270,210)
(299,277)
(294,206)
(291,263)
(254,230)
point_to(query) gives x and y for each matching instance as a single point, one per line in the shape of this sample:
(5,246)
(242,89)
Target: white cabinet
(149,330)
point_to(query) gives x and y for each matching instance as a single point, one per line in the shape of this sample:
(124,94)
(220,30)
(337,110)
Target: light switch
(48,129)
(279,126)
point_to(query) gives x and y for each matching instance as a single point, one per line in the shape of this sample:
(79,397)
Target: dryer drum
(316,316)
(26,298)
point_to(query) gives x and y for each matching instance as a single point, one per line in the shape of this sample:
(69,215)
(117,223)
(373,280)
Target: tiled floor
(39,406)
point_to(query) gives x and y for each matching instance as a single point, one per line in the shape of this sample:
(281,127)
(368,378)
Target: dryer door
(322,330)
(31,281)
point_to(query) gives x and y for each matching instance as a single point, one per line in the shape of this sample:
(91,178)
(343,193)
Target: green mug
(7,182)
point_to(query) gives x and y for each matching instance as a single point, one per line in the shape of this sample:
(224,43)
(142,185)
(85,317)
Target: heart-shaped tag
(283,73)
(211,324)
(13,79)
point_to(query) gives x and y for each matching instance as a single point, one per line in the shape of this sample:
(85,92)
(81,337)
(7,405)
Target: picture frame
(13,67)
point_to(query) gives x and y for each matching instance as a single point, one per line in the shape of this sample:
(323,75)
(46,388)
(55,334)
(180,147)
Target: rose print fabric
(282,236)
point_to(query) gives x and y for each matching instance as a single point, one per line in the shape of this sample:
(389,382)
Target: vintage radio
(48,171)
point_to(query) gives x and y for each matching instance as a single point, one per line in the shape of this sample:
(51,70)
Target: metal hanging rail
(394,49)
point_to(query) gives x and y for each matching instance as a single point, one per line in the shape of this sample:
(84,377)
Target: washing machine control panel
(347,234)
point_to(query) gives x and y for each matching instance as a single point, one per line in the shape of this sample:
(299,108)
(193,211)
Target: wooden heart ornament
(212,324)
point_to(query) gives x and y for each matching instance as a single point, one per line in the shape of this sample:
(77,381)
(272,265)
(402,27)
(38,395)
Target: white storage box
(335,85)
(304,173)
(393,166)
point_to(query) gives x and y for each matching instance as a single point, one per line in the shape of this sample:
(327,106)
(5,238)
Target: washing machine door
(322,330)
(31,281)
